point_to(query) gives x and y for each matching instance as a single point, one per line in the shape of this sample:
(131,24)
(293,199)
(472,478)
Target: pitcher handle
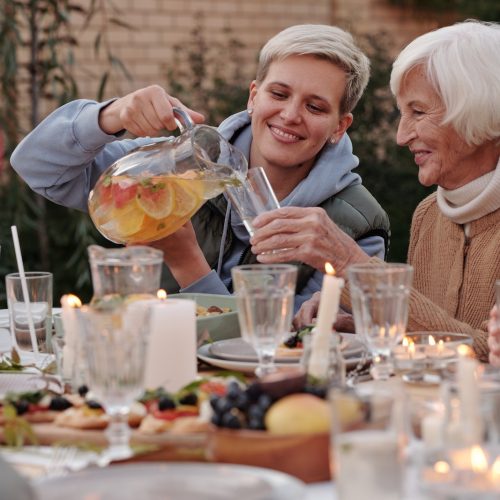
(182,119)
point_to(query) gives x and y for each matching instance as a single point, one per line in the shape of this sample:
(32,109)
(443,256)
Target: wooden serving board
(165,446)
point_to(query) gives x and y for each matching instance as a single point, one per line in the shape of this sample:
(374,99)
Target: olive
(166,403)
(189,399)
(21,406)
(82,390)
(59,403)
(94,405)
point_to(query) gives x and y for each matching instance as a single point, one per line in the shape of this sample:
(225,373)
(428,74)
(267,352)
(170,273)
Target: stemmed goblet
(115,340)
(380,296)
(264,295)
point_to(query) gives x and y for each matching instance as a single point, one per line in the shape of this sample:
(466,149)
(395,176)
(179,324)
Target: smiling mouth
(285,136)
(421,156)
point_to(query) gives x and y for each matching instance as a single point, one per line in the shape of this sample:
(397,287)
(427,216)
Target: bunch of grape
(241,408)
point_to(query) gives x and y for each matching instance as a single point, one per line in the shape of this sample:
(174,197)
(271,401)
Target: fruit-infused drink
(155,189)
(131,209)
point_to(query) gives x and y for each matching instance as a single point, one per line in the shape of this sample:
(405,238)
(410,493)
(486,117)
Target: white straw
(24,286)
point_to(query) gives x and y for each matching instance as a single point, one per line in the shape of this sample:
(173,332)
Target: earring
(250,111)
(332,140)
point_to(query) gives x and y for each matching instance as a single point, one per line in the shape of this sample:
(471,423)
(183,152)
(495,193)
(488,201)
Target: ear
(344,123)
(252,94)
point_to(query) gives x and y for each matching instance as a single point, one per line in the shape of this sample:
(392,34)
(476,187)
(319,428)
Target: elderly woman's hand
(145,112)
(494,336)
(308,311)
(304,234)
(183,255)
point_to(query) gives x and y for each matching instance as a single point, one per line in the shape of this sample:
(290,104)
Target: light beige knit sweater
(454,277)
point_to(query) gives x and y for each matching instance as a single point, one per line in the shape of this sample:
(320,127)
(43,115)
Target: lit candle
(327,314)
(438,350)
(171,352)
(406,355)
(69,305)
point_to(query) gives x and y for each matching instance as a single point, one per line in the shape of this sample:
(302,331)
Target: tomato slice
(214,387)
(175,413)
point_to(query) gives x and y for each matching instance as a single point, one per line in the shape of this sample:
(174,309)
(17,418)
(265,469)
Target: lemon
(156,199)
(188,195)
(128,220)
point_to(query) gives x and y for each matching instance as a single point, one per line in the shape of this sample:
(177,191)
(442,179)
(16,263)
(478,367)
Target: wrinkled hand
(494,336)
(307,312)
(145,112)
(183,255)
(304,234)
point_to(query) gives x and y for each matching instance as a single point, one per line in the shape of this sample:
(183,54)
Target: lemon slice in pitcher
(156,199)
(188,195)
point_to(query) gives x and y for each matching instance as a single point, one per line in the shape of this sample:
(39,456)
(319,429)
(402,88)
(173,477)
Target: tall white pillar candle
(171,351)
(327,314)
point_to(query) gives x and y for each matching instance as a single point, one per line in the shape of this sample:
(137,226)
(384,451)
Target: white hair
(462,62)
(325,42)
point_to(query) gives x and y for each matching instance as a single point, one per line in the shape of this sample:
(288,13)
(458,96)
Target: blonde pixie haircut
(462,62)
(325,42)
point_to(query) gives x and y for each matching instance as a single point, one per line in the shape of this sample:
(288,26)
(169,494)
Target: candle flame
(465,351)
(495,470)
(161,294)
(329,269)
(72,300)
(440,347)
(442,467)
(432,341)
(479,462)
(405,342)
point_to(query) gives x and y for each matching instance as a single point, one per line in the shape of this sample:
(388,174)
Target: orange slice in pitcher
(156,199)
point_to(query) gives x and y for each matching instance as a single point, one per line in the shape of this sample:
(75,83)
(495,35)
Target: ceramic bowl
(219,326)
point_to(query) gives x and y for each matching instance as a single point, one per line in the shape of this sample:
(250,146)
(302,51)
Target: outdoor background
(204,52)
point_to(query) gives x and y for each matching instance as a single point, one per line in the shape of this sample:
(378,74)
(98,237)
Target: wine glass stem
(266,364)
(383,367)
(118,434)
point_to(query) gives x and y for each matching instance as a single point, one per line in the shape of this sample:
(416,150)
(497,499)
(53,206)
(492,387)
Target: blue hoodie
(63,157)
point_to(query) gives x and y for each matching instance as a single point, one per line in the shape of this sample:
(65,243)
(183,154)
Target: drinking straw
(24,287)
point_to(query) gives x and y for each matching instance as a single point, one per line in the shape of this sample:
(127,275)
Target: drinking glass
(366,440)
(264,294)
(252,197)
(37,314)
(380,296)
(114,344)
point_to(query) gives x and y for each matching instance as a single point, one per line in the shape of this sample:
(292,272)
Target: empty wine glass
(380,296)
(115,342)
(264,294)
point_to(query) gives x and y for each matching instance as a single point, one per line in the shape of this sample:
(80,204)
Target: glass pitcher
(155,189)
(133,271)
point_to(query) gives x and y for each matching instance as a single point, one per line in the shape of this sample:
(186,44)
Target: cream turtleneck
(476,199)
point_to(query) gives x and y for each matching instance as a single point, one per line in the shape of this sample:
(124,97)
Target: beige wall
(158,25)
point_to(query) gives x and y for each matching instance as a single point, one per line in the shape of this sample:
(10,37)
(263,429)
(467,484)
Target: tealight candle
(438,350)
(406,355)
(171,352)
(327,314)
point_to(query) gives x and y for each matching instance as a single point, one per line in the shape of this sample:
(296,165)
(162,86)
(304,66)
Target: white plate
(179,481)
(239,350)
(249,366)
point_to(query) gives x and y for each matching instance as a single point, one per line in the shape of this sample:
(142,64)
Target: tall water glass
(380,296)
(252,197)
(264,295)
(115,342)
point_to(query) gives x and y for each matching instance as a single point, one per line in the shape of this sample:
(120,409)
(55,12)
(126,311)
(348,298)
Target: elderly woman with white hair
(447,87)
